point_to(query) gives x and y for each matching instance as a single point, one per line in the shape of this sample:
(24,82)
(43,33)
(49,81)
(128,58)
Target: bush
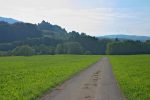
(43,49)
(87,53)
(23,51)
(5,53)
(60,49)
(69,48)
(74,48)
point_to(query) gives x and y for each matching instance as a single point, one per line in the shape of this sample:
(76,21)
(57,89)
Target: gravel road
(95,83)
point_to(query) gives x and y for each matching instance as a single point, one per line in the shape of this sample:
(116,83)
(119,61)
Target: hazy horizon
(96,18)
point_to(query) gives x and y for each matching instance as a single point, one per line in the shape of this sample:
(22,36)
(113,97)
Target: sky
(94,17)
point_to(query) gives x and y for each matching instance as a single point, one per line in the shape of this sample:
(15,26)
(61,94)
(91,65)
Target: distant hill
(46,38)
(125,37)
(8,20)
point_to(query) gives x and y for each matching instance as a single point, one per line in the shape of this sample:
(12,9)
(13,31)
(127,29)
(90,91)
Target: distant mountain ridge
(125,37)
(8,20)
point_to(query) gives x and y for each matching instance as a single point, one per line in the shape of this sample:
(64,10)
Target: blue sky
(133,3)
(95,17)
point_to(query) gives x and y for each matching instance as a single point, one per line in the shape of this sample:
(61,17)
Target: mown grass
(26,78)
(133,75)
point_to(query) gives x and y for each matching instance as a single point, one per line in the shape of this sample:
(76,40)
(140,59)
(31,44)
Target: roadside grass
(27,78)
(133,75)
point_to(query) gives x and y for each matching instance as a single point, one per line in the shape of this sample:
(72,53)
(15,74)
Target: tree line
(44,38)
(128,47)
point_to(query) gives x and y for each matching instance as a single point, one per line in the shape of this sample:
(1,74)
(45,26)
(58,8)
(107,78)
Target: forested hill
(17,32)
(44,38)
(53,31)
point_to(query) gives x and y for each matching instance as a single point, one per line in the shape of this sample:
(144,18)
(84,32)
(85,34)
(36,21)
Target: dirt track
(95,83)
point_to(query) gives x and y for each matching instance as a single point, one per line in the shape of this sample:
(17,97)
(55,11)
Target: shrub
(23,51)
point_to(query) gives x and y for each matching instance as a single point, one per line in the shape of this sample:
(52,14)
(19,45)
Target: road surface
(95,83)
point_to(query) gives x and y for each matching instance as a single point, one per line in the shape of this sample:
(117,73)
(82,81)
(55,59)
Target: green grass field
(133,75)
(24,78)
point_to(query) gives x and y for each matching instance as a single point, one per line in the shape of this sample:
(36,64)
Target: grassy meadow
(27,78)
(133,75)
